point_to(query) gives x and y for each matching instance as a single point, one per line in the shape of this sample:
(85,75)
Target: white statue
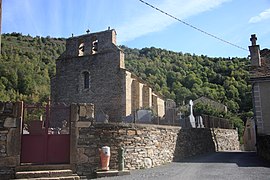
(191,117)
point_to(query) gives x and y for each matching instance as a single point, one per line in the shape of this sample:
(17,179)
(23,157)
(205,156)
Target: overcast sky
(138,25)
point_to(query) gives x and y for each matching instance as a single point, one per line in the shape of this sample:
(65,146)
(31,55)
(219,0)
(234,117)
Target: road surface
(213,166)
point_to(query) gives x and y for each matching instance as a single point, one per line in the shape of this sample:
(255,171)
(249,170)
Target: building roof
(217,105)
(262,71)
(205,100)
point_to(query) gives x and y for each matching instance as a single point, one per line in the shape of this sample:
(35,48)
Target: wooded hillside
(27,63)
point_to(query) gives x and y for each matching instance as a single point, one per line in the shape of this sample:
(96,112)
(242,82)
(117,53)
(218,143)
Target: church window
(86,80)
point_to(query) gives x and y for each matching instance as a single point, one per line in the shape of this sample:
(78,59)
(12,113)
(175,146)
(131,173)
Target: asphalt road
(214,166)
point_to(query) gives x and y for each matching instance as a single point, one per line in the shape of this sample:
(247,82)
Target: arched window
(86,80)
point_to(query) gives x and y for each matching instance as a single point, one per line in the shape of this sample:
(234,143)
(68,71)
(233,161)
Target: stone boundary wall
(10,140)
(147,146)
(225,139)
(263,146)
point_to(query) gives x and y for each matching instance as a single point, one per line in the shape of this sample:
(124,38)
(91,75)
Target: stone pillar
(121,159)
(140,95)
(82,116)
(74,135)
(10,137)
(146,97)
(135,95)
(160,107)
(154,104)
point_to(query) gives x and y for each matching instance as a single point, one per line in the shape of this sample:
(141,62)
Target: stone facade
(260,79)
(261,105)
(145,146)
(91,77)
(139,95)
(92,70)
(10,140)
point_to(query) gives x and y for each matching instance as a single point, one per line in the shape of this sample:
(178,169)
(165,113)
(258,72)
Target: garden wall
(145,146)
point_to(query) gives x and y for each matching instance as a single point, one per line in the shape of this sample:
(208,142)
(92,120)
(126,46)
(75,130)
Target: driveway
(216,166)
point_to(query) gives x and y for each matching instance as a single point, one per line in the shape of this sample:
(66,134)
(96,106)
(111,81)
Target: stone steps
(42,167)
(42,172)
(73,177)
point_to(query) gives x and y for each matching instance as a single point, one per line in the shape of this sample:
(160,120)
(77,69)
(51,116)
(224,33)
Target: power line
(194,27)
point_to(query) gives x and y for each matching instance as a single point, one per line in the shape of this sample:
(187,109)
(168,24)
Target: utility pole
(0,23)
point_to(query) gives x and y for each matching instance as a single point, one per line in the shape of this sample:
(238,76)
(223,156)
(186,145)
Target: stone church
(92,70)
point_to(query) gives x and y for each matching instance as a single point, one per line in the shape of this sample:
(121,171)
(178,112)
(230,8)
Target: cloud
(262,16)
(153,21)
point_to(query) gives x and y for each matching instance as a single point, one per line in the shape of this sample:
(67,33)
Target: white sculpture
(191,117)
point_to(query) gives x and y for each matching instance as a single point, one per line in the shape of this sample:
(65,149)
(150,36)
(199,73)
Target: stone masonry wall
(225,139)
(10,142)
(106,87)
(147,146)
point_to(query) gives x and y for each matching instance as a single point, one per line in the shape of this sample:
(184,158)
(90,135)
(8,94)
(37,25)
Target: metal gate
(46,134)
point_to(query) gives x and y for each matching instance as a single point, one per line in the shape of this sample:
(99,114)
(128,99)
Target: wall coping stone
(132,125)
(82,124)
(4,132)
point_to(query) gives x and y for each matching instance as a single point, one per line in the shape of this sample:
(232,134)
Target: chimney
(254,52)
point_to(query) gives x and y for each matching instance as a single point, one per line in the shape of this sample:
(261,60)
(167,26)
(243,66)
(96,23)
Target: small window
(86,77)
(81,49)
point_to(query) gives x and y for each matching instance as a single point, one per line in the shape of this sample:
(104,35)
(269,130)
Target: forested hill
(26,66)
(27,63)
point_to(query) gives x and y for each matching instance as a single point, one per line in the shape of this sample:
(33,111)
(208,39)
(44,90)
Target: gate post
(10,137)
(74,134)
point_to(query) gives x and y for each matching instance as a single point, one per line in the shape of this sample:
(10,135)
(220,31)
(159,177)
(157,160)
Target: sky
(138,25)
